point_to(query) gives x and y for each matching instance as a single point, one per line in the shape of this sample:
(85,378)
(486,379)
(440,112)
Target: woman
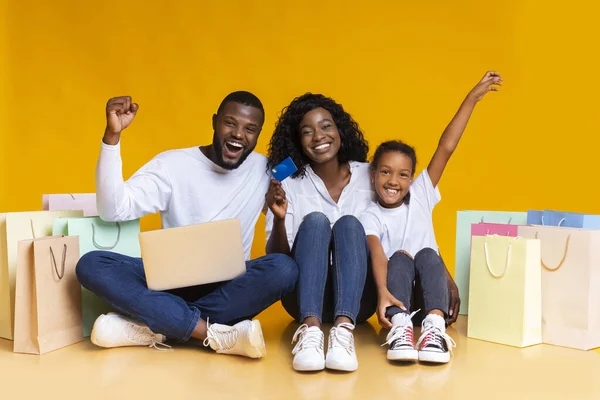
(314,217)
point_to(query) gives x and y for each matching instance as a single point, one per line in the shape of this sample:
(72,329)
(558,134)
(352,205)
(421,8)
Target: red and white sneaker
(435,345)
(401,339)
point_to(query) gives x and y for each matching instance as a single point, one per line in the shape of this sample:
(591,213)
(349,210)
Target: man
(220,181)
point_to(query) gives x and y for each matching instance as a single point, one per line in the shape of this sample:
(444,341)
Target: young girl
(399,228)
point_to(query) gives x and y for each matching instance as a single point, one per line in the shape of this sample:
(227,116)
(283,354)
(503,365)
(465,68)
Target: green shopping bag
(464,219)
(95,234)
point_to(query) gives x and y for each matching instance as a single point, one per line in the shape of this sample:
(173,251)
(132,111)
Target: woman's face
(319,136)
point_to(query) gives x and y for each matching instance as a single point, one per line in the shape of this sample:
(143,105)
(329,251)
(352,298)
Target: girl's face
(392,178)
(319,136)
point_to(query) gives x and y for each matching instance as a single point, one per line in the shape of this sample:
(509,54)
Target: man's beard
(218,147)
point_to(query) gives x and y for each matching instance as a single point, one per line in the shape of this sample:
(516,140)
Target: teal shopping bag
(95,234)
(464,219)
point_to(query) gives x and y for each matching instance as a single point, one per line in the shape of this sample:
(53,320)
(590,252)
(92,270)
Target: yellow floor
(479,370)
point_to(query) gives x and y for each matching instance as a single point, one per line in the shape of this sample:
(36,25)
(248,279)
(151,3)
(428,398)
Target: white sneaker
(341,354)
(243,339)
(115,330)
(308,352)
(401,339)
(435,345)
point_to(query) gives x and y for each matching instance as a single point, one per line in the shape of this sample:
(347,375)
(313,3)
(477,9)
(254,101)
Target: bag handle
(509,220)
(487,260)
(488,232)
(563,258)
(62,266)
(96,245)
(559,222)
(32,230)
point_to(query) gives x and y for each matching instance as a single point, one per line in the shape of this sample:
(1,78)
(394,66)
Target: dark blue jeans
(419,284)
(121,282)
(335,278)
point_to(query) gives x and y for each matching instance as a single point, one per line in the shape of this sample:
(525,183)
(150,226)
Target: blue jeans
(342,287)
(121,282)
(419,284)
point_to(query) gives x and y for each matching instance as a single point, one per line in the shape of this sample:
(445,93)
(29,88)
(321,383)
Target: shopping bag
(535,217)
(483,229)
(464,220)
(95,234)
(570,259)
(15,227)
(505,291)
(563,219)
(48,295)
(78,201)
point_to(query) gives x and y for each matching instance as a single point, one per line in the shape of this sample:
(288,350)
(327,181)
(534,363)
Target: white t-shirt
(309,194)
(408,227)
(186,188)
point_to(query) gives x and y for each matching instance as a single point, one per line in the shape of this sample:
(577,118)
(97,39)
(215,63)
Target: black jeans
(419,284)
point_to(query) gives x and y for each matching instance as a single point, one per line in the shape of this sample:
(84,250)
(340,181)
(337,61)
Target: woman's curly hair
(285,141)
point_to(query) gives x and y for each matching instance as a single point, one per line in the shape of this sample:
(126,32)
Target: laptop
(193,255)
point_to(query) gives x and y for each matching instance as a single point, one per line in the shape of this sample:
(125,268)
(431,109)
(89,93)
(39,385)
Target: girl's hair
(285,141)
(399,147)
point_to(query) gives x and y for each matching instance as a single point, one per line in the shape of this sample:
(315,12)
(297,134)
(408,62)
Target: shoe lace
(224,340)
(433,335)
(402,334)
(143,335)
(306,339)
(342,336)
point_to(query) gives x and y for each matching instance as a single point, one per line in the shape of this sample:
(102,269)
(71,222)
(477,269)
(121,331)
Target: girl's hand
(385,300)
(490,82)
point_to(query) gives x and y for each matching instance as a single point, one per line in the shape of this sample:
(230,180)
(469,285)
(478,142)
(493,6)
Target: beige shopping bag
(15,227)
(48,295)
(505,303)
(570,285)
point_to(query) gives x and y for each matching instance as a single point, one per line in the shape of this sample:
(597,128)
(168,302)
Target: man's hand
(120,112)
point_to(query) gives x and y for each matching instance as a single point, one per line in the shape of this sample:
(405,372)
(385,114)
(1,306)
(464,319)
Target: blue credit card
(284,169)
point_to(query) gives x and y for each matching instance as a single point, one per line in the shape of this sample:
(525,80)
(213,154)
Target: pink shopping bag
(72,201)
(485,228)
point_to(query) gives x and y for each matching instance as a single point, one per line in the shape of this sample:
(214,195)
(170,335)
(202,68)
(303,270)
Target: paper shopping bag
(15,227)
(483,229)
(48,295)
(95,234)
(563,219)
(78,201)
(535,217)
(570,285)
(505,291)
(464,219)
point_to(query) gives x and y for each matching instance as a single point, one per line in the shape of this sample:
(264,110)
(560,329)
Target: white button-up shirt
(309,194)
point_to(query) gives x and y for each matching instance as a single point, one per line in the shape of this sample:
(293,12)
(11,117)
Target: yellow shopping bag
(505,303)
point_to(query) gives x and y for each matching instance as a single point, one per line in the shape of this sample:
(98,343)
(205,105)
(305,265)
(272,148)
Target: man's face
(236,130)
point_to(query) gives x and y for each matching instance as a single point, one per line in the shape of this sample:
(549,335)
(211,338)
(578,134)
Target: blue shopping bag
(563,219)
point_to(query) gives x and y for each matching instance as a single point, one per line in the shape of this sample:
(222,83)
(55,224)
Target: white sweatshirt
(185,187)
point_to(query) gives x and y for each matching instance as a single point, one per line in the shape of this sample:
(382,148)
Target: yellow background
(400,68)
